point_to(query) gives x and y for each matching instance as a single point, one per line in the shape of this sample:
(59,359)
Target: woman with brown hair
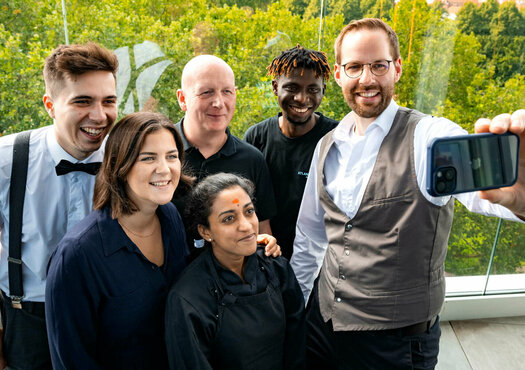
(109,277)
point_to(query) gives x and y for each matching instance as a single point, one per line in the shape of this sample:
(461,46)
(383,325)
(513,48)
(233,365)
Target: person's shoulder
(247,150)
(83,236)
(431,127)
(327,123)
(84,230)
(195,282)
(7,143)
(261,128)
(280,265)
(171,212)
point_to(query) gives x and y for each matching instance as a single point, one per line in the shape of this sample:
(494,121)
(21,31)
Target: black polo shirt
(236,157)
(288,160)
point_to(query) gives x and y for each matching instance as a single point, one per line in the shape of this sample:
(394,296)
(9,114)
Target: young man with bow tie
(81,99)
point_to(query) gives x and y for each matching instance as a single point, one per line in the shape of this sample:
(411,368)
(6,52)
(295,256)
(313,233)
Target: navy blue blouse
(105,300)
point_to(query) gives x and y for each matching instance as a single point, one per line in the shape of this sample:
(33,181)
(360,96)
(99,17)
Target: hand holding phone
(472,162)
(512,197)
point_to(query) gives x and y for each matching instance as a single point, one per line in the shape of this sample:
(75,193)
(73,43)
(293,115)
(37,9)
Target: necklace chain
(140,236)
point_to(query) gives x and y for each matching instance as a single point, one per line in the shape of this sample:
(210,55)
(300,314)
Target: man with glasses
(207,96)
(366,211)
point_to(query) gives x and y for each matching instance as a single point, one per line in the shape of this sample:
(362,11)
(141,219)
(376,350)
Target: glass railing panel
(508,268)
(470,243)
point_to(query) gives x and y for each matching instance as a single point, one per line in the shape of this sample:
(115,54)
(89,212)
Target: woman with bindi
(233,307)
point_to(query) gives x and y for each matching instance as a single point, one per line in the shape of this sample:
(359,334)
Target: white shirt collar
(345,130)
(58,153)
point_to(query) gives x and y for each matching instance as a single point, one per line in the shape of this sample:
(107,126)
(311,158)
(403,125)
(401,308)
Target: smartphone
(467,163)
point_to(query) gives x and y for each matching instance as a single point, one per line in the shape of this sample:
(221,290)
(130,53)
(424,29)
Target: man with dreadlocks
(288,139)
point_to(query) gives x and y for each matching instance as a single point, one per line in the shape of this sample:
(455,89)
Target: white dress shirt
(52,205)
(348,167)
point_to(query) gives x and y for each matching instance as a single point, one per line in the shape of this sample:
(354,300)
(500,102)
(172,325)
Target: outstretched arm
(512,197)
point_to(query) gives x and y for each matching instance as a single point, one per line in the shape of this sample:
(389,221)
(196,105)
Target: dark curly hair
(299,57)
(201,198)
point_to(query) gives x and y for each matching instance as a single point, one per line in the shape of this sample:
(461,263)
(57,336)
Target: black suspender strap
(16,209)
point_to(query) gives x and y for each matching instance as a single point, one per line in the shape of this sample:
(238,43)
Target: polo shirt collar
(345,130)
(185,142)
(58,153)
(229,147)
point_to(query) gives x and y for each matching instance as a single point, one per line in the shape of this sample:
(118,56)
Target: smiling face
(299,96)
(233,225)
(208,95)
(155,175)
(368,95)
(84,110)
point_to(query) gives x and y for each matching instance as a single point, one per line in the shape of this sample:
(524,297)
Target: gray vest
(384,268)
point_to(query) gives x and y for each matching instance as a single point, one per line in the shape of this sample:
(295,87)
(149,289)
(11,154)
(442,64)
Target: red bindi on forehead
(235,201)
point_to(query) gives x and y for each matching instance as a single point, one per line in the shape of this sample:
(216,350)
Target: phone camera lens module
(449,174)
(445,180)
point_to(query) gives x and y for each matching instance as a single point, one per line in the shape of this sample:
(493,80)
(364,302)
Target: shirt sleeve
(186,340)
(295,336)
(482,206)
(310,234)
(71,311)
(6,160)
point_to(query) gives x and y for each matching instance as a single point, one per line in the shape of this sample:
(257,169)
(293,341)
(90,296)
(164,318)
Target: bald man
(207,96)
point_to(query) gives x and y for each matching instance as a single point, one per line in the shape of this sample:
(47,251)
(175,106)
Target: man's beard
(369,111)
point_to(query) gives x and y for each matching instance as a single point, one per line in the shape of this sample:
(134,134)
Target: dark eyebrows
(155,153)
(233,211)
(90,97)
(225,212)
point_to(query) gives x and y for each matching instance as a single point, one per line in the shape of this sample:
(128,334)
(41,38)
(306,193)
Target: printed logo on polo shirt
(301,173)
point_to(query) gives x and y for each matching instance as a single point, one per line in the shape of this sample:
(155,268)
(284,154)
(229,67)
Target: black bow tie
(66,167)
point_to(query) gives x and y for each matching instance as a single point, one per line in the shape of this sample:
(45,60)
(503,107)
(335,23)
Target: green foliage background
(462,69)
